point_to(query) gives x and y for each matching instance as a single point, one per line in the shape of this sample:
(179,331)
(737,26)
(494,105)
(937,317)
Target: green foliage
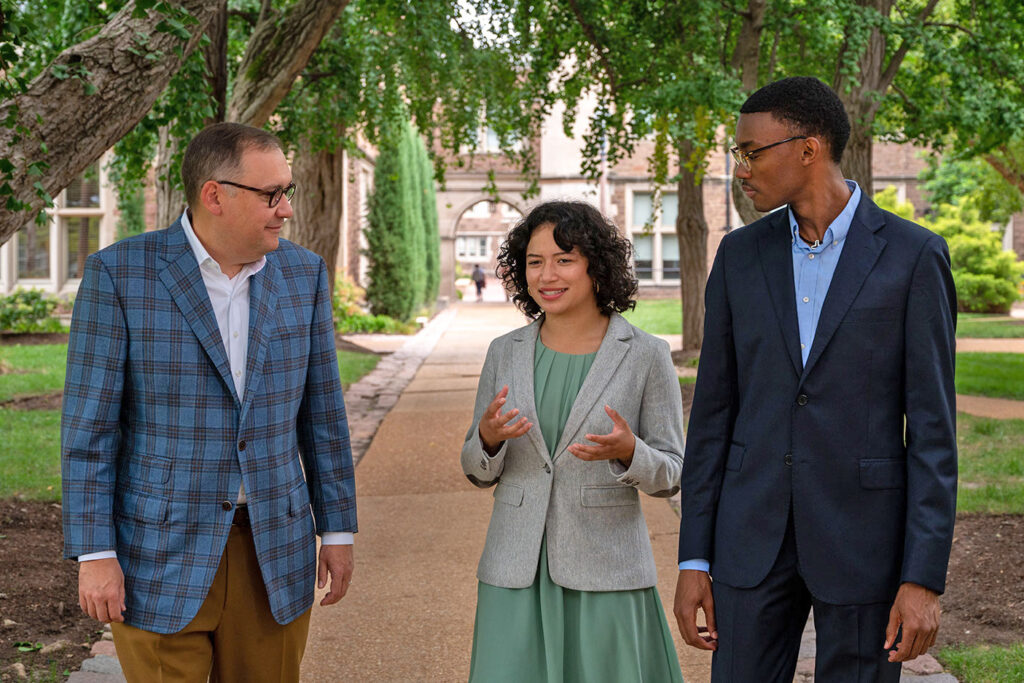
(32,369)
(991,465)
(350,318)
(399,229)
(975,181)
(657,316)
(28,310)
(999,375)
(132,207)
(984,663)
(989,326)
(431,234)
(353,365)
(988,278)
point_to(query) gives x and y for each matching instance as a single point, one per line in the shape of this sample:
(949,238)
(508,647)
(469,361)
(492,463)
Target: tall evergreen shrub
(432,237)
(412,200)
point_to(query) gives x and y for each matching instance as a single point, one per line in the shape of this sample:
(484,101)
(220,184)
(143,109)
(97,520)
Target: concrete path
(409,614)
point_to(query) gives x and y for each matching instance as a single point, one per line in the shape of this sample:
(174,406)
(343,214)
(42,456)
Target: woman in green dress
(575,414)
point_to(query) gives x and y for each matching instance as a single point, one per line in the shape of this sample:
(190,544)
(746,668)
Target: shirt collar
(203,257)
(839,228)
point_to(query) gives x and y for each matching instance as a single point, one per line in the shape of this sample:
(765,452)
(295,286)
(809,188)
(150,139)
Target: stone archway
(478,232)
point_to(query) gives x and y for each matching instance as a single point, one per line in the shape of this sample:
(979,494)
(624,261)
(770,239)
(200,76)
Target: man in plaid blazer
(204,438)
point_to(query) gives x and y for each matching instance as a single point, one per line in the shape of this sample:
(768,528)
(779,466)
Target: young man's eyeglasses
(744,158)
(273,196)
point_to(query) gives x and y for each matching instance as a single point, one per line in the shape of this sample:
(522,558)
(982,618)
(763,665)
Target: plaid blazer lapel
(185,284)
(263,289)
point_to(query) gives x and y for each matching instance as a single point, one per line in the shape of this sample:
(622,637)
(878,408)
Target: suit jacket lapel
(521,391)
(859,255)
(263,290)
(609,355)
(185,284)
(776,251)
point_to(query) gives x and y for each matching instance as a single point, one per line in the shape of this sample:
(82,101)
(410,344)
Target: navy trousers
(759,631)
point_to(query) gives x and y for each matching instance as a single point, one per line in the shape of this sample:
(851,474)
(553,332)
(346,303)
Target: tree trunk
(75,127)
(747,58)
(744,204)
(692,233)
(216,56)
(276,54)
(319,182)
(170,198)
(858,156)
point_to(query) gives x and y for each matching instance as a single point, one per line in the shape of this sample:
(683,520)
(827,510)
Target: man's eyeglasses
(744,158)
(273,196)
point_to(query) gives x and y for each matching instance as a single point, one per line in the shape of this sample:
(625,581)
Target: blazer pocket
(613,495)
(151,469)
(883,473)
(298,500)
(510,494)
(734,461)
(139,507)
(873,315)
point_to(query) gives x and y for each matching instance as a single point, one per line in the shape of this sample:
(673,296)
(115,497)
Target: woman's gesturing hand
(617,445)
(497,427)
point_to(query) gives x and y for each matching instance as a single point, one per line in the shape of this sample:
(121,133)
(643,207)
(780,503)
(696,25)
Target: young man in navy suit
(820,464)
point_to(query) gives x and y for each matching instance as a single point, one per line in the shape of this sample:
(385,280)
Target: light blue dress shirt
(813,268)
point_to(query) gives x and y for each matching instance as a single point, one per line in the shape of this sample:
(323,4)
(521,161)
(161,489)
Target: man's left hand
(618,445)
(916,609)
(337,561)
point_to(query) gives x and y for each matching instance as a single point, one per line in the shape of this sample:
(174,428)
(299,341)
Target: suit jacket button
(547,468)
(789,458)
(241,445)
(226,505)
(483,463)
(801,400)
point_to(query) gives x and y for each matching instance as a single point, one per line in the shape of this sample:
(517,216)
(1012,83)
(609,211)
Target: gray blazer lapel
(776,250)
(185,284)
(521,391)
(263,290)
(860,253)
(610,354)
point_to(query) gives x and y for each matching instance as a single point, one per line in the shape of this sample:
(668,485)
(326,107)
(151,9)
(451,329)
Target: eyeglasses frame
(269,194)
(744,158)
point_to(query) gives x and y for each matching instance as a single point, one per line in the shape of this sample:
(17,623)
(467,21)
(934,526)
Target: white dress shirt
(229,298)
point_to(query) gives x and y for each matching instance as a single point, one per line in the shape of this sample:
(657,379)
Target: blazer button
(547,468)
(788,459)
(226,505)
(241,445)
(801,400)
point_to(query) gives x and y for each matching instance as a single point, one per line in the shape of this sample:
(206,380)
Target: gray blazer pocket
(510,494)
(607,496)
(883,473)
(734,461)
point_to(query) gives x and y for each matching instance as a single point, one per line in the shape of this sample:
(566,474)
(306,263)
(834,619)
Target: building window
(655,246)
(34,252)
(82,237)
(472,248)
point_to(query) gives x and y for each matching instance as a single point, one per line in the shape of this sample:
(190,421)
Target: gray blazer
(596,534)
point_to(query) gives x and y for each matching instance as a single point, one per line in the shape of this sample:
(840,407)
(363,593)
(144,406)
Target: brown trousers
(234,637)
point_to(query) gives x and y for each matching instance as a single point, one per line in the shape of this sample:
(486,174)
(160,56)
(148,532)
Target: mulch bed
(39,592)
(984,602)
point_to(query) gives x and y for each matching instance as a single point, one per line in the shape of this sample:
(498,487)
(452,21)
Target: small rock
(104,647)
(55,646)
(8,623)
(922,666)
(19,670)
(3,596)
(102,664)
(107,635)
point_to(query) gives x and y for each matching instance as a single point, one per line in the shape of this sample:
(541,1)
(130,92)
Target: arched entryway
(478,233)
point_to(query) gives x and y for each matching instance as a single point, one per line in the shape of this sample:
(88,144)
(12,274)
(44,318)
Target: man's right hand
(693,591)
(497,427)
(101,589)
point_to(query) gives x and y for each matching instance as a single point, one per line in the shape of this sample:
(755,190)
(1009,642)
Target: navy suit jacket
(860,443)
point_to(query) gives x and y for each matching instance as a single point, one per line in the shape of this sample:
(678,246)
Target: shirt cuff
(699,565)
(101,555)
(337,538)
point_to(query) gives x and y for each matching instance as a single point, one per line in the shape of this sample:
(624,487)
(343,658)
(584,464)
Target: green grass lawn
(657,316)
(30,456)
(989,326)
(353,365)
(1000,375)
(985,663)
(991,465)
(30,370)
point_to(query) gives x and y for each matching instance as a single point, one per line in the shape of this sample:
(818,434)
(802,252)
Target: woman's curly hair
(577,224)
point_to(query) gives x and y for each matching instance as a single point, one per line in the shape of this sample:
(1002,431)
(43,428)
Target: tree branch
(897,59)
(591,36)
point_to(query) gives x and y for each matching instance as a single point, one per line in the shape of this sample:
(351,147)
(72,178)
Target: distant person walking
(480,280)
(576,413)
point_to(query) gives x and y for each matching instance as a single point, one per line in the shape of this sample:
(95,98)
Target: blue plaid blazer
(154,438)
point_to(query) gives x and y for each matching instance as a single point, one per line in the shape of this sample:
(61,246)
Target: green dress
(554,634)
